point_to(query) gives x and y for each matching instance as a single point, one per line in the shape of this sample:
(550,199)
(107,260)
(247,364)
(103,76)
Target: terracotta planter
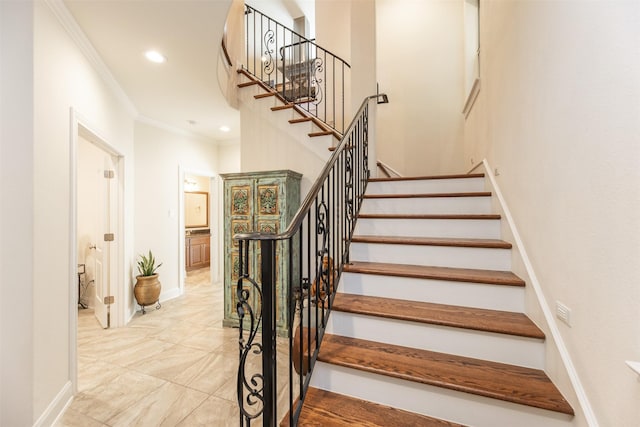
(147,291)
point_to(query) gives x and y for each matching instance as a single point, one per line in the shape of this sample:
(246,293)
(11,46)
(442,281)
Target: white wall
(16,216)
(229,157)
(270,142)
(420,66)
(559,115)
(161,155)
(63,79)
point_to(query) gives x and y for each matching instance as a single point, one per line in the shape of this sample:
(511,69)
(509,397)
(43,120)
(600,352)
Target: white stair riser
(441,256)
(477,295)
(459,407)
(428,205)
(461,228)
(453,185)
(501,348)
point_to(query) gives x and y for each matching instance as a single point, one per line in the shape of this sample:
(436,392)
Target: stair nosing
(467,275)
(432,177)
(428,195)
(264,95)
(432,216)
(438,314)
(320,133)
(317,398)
(433,241)
(334,350)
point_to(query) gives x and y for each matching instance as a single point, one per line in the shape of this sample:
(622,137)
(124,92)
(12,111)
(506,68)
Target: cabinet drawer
(200,240)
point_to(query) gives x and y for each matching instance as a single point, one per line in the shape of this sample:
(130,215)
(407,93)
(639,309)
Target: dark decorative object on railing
(318,240)
(301,72)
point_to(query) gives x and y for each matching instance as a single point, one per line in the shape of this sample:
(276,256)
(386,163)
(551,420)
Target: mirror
(196,207)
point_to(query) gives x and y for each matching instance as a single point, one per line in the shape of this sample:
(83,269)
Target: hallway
(175,366)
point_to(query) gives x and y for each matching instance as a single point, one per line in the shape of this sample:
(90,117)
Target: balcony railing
(297,68)
(318,240)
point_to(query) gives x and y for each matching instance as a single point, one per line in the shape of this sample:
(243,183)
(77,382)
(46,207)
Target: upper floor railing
(297,68)
(317,241)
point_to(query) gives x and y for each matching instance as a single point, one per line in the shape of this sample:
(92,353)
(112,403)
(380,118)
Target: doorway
(96,190)
(198,224)
(96,270)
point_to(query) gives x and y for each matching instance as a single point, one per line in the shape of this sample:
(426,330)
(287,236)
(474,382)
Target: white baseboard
(585,406)
(57,407)
(169,295)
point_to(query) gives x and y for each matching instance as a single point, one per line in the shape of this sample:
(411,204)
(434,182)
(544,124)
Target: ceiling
(183,92)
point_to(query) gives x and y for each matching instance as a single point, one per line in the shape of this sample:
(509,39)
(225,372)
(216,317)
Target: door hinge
(109,174)
(109,299)
(109,237)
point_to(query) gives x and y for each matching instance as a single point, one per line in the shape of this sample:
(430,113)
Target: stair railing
(299,70)
(318,240)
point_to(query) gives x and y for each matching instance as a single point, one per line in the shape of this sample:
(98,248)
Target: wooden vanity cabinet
(198,251)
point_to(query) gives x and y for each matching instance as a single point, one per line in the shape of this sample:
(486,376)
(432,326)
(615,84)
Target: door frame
(214,223)
(79,125)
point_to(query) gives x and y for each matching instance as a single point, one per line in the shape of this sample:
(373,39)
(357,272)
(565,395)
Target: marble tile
(211,372)
(173,366)
(213,412)
(92,373)
(165,406)
(213,339)
(110,398)
(73,418)
(131,356)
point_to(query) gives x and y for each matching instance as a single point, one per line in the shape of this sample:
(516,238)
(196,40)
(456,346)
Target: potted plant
(147,288)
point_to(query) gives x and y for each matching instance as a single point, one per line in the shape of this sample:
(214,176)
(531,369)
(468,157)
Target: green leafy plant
(147,265)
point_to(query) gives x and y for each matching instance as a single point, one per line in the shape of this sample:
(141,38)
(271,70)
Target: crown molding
(67,21)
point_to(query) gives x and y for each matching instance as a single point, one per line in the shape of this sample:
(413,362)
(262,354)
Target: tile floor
(175,366)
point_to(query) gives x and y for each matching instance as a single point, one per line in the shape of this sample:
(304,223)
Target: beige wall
(161,155)
(559,116)
(63,79)
(16,219)
(420,66)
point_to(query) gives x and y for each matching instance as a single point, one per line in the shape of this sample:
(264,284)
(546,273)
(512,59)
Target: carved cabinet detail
(264,202)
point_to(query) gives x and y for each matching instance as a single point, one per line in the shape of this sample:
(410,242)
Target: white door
(105,245)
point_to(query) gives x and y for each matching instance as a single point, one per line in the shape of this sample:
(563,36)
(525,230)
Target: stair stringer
(270,142)
(537,308)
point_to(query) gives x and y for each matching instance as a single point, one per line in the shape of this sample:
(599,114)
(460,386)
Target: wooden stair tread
(247,84)
(300,120)
(429,216)
(509,383)
(427,195)
(326,409)
(433,241)
(282,107)
(418,178)
(320,133)
(479,319)
(437,273)
(264,95)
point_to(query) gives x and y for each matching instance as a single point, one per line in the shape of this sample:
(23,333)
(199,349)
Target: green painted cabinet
(262,202)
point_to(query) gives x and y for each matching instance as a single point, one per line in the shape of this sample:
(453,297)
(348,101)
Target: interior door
(104,243)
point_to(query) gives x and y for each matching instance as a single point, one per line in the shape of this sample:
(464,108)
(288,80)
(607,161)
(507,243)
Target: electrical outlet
(563,313)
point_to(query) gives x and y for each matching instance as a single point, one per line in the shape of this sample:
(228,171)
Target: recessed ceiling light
(225,128)
(155,56)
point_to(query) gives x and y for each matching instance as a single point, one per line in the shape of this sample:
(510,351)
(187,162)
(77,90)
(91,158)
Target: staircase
(427,327)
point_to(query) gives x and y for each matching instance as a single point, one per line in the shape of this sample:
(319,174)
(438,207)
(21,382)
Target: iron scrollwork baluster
(322,270)
(316,68)
(348,187)
(268,64)
(254,386)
